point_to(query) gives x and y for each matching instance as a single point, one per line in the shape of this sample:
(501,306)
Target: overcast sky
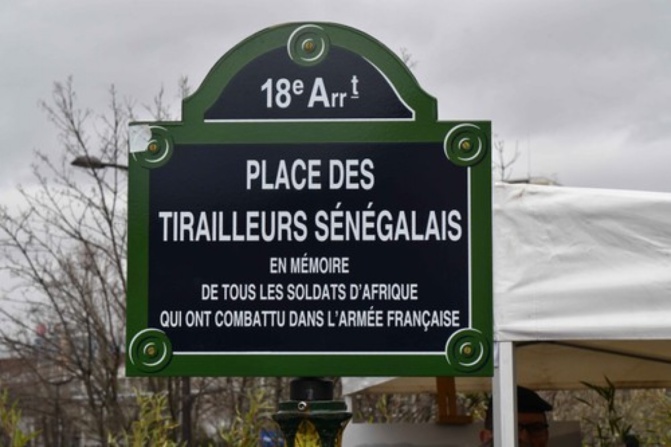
(582,88)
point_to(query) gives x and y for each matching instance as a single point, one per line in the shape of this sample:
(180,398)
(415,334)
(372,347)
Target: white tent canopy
(582,285)
(581,264)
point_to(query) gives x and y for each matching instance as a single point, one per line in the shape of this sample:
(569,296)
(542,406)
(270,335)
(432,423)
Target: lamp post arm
(90,162)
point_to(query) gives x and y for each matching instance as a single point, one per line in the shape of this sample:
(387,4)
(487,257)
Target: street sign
(309,216)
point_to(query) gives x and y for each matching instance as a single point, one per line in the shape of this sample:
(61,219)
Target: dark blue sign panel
(309,247)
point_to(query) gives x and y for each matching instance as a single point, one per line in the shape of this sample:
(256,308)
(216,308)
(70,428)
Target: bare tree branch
(63,318)
(503,166)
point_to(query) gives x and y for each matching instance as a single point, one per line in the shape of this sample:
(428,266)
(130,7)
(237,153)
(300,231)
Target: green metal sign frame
(217,119)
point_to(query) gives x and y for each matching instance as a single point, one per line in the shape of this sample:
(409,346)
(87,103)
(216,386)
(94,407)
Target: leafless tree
(62,321)
(502,163)
(65,248)
(407,59)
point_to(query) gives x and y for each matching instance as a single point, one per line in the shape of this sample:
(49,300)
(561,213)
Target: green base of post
(312,418)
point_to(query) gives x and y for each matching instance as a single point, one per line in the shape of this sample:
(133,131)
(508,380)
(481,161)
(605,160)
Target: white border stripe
(470,250)
(312,120)
(281,353)
(393,87)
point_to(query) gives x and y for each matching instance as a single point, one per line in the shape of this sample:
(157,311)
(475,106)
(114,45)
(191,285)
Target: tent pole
(504,386)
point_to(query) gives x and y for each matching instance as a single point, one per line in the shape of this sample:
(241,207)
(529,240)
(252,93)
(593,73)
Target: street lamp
(86,161)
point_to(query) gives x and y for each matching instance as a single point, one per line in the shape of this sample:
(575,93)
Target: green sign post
(309,216)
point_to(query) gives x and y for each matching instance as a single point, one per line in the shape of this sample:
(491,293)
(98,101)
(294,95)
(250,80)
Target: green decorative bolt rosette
(150,350)
(308,45)
(465,144)
(155,148)
(467,350)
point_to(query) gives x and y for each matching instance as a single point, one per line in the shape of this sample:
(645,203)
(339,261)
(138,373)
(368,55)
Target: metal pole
(504,386)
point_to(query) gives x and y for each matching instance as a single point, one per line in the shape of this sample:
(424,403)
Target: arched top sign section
(309,72)
(354,227)
(344,86)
